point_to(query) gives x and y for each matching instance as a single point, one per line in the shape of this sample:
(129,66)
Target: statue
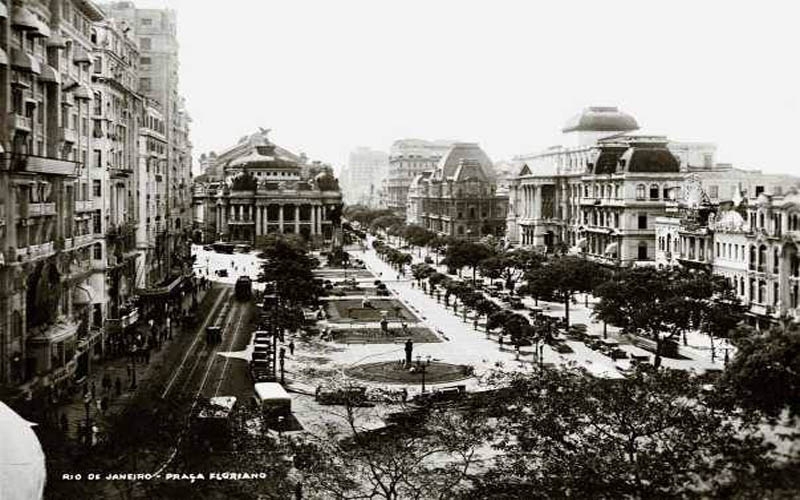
(409,348)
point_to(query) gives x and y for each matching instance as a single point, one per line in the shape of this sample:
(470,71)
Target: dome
(601,119)
(459,152)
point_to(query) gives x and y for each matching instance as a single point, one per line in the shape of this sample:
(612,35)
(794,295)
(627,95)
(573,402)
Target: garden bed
(377,336)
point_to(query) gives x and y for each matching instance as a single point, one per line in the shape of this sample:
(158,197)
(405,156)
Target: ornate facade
(458,198)
(407,159)
(71,168)
(752,242)
(599,195)
(265,189)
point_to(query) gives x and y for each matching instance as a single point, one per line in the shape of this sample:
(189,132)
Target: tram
(244,288)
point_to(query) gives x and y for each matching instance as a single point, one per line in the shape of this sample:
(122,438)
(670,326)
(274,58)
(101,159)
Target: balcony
(83,239)
(125,321)
(33,252)
(40,209)
(84,205)
(37,164)
(19,122)
(68,135)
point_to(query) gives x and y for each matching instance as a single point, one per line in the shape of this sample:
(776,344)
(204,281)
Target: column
(320,217)
(537,203)
(296,219)
(280,218)
(258,221)
(313,220)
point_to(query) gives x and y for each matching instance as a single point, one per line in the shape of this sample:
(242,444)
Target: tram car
(244,288)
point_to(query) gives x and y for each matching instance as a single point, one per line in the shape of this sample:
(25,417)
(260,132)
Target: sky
(328,76)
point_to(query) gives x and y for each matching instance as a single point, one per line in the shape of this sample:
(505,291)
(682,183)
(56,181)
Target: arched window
(654,191)
(669,242)
(753,262)
(762,291)
(640,191)
(762,258)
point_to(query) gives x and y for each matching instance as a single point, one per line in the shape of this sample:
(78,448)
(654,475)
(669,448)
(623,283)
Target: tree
(437,244)
(722,313)
(426,454)
(462,254)
(764,375)
(417,235)
(563,434)
(659,303)
(561,278)
(420,271)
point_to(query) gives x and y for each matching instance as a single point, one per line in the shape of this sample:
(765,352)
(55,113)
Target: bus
(272,399)
(244,288)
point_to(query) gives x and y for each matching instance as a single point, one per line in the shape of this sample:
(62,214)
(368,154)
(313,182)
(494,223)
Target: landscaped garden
(371,311)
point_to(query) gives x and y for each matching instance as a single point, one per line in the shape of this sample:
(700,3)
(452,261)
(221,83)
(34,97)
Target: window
(98,158)
(642,221)
(708,160)
(642,251)
(759,190)
(97,188)
(98,251)
(144,84)
(640,191)
(654,192)
(96,222)
(713,192)
(144,60)
(146,21)
(98,65)
(145,44)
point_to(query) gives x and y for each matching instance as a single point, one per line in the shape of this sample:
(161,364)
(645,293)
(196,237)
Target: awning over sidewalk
(162,290)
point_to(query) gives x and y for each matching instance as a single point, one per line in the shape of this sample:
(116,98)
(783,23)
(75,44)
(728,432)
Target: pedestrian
(104,404)
(98,405)
(291,347)
(118,383)
(501,342)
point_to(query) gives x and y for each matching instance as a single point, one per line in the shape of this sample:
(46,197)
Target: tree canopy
(564,434)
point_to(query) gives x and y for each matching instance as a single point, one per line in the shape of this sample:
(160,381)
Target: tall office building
(361,178)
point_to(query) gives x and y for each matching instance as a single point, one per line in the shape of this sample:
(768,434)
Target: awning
(3,58)
(82,92)
(80,55)
(22,61)
(23,19)
(611,248)
(41,31)
(3,11)
(57,333)
(50,75)
(56,40)
(22,463)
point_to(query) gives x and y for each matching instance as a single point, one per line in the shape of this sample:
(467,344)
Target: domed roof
(459,152)
(601,119)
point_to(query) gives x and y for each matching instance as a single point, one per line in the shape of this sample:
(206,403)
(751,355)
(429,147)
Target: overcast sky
(327,76)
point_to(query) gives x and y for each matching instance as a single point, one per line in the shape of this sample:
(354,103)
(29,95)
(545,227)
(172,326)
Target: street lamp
(423,367)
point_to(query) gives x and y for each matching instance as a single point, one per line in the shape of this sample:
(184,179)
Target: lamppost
(423,367)
(541,355)
(87,402)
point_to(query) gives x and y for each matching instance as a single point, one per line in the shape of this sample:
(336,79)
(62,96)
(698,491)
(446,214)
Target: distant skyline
(328,77)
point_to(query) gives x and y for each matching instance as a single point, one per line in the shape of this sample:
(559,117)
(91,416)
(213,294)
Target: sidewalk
(116,368)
